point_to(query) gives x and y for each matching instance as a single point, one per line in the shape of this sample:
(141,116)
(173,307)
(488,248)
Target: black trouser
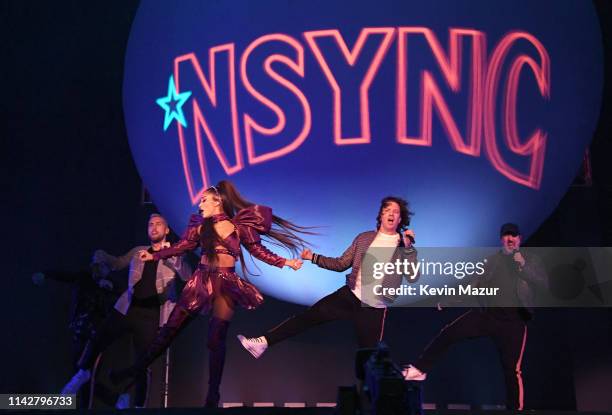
(78,345)
(342,304)
(508,335)
(142,323)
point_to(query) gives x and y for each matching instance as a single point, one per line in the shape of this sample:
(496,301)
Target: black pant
(142,323)
(340,305)
(78,345)
(509,336)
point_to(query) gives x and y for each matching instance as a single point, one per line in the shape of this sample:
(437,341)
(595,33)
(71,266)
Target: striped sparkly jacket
(352,257)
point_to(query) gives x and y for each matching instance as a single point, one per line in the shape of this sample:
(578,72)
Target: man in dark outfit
(93,294)
(503,318)
(140,311)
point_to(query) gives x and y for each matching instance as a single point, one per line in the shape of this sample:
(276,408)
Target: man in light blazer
(144,306)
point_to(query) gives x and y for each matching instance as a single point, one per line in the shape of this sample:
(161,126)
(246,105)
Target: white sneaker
(412,373)
(254,345)
(123,401)
(79,379)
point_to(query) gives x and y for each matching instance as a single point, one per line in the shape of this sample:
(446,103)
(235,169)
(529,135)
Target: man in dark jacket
(94,292)
(503,318)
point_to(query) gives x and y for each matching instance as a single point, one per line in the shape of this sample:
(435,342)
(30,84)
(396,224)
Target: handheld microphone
(519,268)
(412,241)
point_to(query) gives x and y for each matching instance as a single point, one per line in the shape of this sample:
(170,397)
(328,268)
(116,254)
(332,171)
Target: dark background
(71,187)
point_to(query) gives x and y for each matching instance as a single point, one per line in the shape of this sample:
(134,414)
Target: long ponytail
(283,232)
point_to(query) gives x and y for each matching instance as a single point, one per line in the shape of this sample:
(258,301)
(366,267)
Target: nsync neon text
(483,86)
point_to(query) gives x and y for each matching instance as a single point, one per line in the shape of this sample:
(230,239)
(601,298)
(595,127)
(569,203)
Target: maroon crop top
(249,222)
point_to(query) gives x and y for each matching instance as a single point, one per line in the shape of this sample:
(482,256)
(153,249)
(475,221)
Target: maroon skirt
(207,281)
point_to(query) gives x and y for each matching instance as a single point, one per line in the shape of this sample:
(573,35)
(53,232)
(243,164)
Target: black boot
(217,334)
(212,399)
(177,320)
(123,379)
(89,355)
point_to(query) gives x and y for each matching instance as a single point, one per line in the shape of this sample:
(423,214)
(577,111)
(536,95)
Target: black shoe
(212,399)
(123,379)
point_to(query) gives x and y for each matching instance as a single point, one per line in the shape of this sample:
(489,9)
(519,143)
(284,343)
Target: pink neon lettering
(535,145)
(366,80)
(483,80)
(431,97)
(199,120)
(250,124)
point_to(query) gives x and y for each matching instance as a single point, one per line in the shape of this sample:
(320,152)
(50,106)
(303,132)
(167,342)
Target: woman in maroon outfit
(226,221)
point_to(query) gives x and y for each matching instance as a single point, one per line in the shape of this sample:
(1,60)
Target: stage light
(459,406)
(232,404)
(263,404)
(429,406)
(326,405)
(294,405)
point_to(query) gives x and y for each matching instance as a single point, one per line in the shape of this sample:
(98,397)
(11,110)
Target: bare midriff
(223,260)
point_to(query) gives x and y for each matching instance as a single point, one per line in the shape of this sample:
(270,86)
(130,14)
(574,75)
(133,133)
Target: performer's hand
(145,256)
(99,256)
(406,235)
(294,263)
(165,245)
(307,254)
(105,284)
(38,278)
(519,258)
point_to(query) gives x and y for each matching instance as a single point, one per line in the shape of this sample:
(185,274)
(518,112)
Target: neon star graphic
(173,104)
